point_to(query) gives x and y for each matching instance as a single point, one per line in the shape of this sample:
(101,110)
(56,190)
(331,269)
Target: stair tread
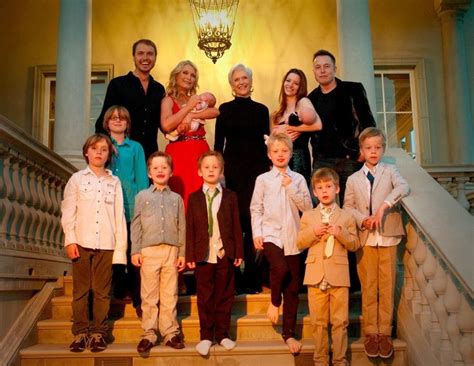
(270,346)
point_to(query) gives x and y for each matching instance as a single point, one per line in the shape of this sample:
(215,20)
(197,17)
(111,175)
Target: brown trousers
(91,271)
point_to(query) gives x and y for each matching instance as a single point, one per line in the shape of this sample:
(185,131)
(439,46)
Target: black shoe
(79,344)
(144,346)
(97,343)
(175,343)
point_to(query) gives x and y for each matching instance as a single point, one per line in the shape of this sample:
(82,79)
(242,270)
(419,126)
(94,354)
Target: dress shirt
(374,238)
(215,242)
(93,215)
(159,219)
(275,209)
(130,166)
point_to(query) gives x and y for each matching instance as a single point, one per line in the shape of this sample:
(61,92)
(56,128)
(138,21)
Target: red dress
(185,153)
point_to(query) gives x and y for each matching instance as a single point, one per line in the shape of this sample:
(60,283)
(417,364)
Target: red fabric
(185,154)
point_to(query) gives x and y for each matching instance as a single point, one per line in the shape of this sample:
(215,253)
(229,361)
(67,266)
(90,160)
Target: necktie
(371,179)
(326,214)
(210,219)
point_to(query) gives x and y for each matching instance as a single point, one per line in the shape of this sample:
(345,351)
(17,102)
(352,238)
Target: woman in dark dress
(297,117)
(240,128)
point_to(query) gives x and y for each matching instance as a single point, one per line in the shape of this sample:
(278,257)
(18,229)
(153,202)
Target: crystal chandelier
(214,22)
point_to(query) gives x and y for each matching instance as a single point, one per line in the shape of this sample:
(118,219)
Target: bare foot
(272,313)
(294,345)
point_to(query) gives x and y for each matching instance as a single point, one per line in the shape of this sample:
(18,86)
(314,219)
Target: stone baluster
(461,191)
(17,200)
(430,267)
(5,192)
(445,351)
(452,301)
(420,255)
(25,220)
(465,322)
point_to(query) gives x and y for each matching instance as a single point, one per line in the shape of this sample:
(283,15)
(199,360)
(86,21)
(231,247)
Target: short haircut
(240,67)
(279,137)
(325,53)
(324,175)
(94,139)
(209,153)
(144,41)
(160,154)
(372,132)
(123,114)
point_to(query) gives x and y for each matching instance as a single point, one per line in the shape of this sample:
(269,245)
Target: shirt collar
(366,169)
(332,208)
(206,188)
(88,170)
(277,172)
(153,188)
(125,142)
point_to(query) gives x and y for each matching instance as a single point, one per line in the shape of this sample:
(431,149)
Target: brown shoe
(371,345)
(175,343)
(385,346)
(144,346)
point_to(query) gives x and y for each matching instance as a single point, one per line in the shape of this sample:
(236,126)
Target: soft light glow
(214,22)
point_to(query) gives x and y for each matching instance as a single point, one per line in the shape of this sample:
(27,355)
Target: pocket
(339,259)
(310,259)
(148,209)
(86,192)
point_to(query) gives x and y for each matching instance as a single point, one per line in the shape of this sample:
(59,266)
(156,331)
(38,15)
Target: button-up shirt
(275,208)
(375,238)
(93,215)
(129,165)
(159,219)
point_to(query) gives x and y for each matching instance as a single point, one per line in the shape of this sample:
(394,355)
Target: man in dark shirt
(140,94)
(345,112)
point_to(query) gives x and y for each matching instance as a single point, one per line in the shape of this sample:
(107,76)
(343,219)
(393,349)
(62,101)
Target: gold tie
(210,220)
(329,248)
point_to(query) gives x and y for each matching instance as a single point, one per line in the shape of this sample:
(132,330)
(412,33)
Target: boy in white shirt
(95,232)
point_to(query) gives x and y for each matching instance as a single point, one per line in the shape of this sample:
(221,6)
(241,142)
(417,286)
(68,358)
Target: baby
(207,100)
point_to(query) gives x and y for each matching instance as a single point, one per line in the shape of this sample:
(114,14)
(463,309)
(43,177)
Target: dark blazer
(197,236)
(351,116)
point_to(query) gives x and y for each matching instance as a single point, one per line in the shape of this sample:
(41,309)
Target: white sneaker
(203,347)
(227,343)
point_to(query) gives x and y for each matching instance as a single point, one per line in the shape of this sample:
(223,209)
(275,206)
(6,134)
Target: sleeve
(190,242)
(306,236)
(237,229)
(266,120)
(400,187)
(256,208)
(362,107)
(298,192)
(350,203)
(111,98)
(120,251)
(348,236)
(141,174)
(181,228)
(69,210)
(136,226)
(219,138)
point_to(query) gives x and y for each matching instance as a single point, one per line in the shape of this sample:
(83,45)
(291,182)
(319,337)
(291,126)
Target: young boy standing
(278,197)
(329,232)
(372,194)
(95,237)
(158,234)
(213,249)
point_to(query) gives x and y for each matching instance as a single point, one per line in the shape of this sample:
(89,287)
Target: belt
(189,138)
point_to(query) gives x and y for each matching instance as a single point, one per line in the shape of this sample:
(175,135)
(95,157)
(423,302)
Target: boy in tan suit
(329,232)
(372,194)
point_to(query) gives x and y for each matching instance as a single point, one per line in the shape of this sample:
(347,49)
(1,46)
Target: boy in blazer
(329,232)
(372,194)
(213,247)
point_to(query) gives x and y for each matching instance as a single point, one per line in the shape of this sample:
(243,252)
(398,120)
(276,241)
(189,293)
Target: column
(456,81)
(355,45)
(73,80)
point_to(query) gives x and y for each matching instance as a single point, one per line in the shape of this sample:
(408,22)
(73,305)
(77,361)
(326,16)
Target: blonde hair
(123,114)
(324,175)
(279,137)
(171,88)
(372,132)
(209,153)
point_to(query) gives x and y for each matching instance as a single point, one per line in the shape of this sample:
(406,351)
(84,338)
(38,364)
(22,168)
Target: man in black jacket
(140,94)
(345,112)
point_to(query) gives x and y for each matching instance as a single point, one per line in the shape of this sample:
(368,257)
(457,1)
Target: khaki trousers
(329,307)
(376,267)
(159,291)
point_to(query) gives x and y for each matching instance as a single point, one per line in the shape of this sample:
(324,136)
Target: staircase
(258,341)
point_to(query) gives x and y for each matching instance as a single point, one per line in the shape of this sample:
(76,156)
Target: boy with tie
(329,232)
(213,247)
(372,194)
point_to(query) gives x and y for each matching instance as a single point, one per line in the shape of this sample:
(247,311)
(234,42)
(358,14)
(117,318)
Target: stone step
(263,353)
(243,327)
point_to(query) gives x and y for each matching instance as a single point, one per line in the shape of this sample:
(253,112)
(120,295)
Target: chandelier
(214,22)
